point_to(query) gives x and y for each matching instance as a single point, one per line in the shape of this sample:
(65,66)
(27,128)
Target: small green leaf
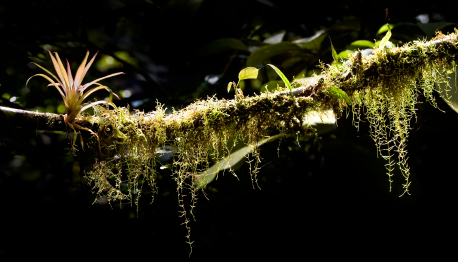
(385,38)
(386,27)
(362,44)
(338,93)
(334,53)
(229,87)
(248,73)
(283,77)
(344,54)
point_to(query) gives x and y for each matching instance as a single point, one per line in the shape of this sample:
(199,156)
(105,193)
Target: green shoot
(246,73)
(334,53)
(385,38)
(283,77)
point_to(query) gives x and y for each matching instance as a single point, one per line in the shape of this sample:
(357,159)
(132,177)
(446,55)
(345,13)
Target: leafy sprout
(283,77)
(73,92)
(246,73)
(385,39)
(334,53)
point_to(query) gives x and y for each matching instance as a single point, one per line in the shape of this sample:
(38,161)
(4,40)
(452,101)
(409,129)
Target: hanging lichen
(384,85)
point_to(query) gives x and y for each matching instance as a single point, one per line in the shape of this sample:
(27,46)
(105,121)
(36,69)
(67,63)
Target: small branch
(33,120)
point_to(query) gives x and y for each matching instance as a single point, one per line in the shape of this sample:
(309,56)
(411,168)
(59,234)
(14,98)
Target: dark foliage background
(329,193)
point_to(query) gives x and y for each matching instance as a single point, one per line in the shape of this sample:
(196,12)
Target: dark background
(328,193)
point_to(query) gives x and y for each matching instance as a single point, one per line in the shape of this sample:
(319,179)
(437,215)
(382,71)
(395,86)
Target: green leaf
(312,42)
(361,44)
(248,73)
(336,92)
(283,77)
(385,38)
(229,87)
(344,54)
(258,57)
(221,45)
(334,53)
(385,28)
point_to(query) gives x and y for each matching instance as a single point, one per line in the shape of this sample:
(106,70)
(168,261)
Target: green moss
(386,84)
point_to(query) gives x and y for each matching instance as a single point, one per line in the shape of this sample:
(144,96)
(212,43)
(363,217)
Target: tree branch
(55,122)
(314,90)
(29,119)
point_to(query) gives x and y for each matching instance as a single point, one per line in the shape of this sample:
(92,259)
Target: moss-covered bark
(386,83)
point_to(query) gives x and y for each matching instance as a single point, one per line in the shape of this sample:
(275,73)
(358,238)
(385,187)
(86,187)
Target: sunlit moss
(130,142)
(385,85)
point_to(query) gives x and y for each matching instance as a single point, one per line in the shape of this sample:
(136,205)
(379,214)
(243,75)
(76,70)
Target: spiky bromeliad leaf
(71,90)
(336,92)
(385,38)
(283,77)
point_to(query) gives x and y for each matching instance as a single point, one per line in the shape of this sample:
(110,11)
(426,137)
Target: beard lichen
(131,143)
(384,85)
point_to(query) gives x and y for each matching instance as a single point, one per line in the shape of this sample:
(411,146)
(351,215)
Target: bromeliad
(73,93)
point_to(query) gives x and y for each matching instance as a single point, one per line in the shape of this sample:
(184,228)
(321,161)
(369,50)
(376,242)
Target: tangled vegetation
(384,86)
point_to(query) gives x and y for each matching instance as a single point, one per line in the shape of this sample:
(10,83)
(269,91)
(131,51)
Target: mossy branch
(386,83)
(55,122)
(401,61)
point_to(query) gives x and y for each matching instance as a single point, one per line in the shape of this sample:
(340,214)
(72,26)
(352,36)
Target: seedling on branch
(283,77)
(73,93)
(247,73)
(384,42)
